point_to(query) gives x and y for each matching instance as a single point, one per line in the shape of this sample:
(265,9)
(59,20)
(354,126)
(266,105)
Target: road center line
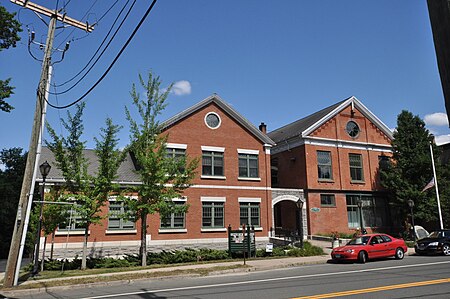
(377,289)
(263,280)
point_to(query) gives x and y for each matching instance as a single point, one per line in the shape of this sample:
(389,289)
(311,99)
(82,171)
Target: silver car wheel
(446,249)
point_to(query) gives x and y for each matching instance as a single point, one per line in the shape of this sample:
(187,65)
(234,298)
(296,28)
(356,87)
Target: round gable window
(352,129)
(212,120)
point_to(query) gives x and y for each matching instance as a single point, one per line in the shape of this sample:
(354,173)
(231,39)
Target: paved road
(413,277)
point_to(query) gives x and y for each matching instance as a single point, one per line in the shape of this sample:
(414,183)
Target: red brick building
(333,155)
(232,187)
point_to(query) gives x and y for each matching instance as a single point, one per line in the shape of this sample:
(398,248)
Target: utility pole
(20,228)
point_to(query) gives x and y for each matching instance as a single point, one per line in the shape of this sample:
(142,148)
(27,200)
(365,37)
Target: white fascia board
(317,124)
(213,148)
(247,151)
(176,145)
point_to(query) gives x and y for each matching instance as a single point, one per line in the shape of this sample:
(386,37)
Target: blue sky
(273,61)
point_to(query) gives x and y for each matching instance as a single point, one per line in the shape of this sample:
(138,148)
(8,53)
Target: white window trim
(114,198)
(249,199)
(212,148)
(218,116)
(217,229)
(66,232)
(176,145)
(183,199)
(248,151)
(212,199)
(120,231)
(213,177)
(249,179)
(172,230)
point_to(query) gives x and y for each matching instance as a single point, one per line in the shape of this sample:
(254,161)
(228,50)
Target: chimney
(263,128)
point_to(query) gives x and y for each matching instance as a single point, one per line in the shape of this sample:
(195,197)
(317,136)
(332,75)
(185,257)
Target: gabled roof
(226,108)
(125,174)
(305,126)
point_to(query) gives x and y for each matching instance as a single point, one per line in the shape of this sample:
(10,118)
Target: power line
(98,49)
(113,62)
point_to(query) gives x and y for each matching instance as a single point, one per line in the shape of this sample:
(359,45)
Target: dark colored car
(364,247)
(438,242)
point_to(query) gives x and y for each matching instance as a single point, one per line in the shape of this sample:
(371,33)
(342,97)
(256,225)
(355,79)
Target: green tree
(163,178)
(11,176)
(411,170)
(90,191)
(9,29)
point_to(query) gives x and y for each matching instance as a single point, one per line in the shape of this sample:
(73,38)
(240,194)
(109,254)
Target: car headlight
(350,250)
(433,244)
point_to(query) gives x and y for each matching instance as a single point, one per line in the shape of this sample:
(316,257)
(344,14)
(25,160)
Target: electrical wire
(101,54)
(98,49)
(113,62)
(71,32)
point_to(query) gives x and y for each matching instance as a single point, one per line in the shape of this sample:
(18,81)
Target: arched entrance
(289,216)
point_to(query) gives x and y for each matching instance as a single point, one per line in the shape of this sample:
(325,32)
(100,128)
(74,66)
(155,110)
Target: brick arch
(293,199)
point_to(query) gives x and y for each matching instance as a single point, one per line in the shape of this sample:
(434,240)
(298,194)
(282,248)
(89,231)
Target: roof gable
(226,108)
(305,126)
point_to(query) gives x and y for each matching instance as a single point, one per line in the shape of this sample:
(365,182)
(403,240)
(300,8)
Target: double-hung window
(174,220)
(213,213)
(212,162)
(356,167)
(75,220)
(250,211)
(324,167)
(116,218)
(248,164)
(327,200)
(177,152)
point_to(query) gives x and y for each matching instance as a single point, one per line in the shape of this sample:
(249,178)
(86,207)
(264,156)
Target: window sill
(326,181)
(172,230)
(218,229)
(328,206)
(213,177)
(358,182)
(120,231)
(249,179)
(71,233)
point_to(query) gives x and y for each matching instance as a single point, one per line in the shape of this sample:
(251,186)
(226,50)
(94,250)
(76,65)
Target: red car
(370,246)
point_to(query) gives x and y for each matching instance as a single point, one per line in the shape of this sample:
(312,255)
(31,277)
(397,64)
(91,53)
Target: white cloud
(436,119)
(181,88)
(442,139)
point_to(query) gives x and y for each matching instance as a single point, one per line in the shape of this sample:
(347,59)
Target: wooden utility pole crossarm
(51,13)
(26,194)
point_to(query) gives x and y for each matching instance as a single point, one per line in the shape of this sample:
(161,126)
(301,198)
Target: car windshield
(361,240)
(436,234)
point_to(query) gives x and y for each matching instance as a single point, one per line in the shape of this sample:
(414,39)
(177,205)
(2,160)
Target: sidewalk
(215,268)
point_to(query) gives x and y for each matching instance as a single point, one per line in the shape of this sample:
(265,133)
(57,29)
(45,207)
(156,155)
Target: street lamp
(44,168)
(363,230)
(411,207)
(299,205)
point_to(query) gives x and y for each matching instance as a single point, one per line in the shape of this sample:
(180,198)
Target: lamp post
(363,230)
(411,207)
(299,205)
(44,168)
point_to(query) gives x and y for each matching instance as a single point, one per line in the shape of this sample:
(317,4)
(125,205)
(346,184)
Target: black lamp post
(411,207)
(44,168)
(299,205)
(363,230)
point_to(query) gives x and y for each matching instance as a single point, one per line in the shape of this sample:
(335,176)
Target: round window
(352,129)
(212,120)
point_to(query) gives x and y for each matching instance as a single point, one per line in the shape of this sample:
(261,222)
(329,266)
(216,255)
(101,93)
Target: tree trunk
(83,258)
(43,253)
(143,249)
(53,243)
